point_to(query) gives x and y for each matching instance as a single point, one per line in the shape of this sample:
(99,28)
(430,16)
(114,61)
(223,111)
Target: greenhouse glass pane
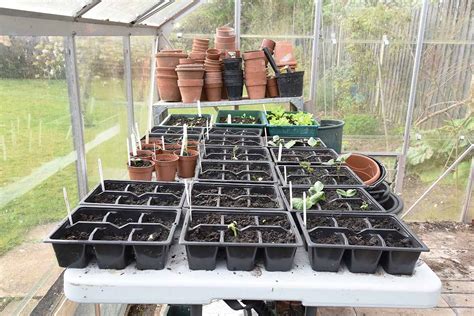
(60,7)
(120,10)
(167,12)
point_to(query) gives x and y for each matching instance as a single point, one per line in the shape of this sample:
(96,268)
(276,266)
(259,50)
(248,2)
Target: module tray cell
(302,154)
(236,171)
(235,153)
(308,174)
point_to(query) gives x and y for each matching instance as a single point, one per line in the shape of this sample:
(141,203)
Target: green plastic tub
(330,132)
(236,113)
(293,130)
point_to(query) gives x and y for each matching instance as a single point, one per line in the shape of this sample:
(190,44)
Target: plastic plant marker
(207,129)
(199,108)
(304,209)
(133,144)
(147,137)
(187,191)
(286,176)
(128,153)
(212,119)
(68,207)
(291,195)
(101,174)
(229,119)
(265,135)
(264,109)
(185,139)
(163,142)
(137,135)
(280,149)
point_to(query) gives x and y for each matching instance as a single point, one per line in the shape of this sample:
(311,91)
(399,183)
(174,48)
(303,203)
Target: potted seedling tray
(235,131)
(310,142)
(240,118)
(298,155)
(235,153)
(192,120)
(227,140)
(137,194)
(115,237)
(176,130)
(291,127)
(171,138)
(309,174)
(240,235)
(244,197)
(362,241)
(341,198)
(236,171)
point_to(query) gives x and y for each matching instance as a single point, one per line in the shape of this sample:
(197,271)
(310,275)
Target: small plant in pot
(166,166)
(187,159)
(140,169)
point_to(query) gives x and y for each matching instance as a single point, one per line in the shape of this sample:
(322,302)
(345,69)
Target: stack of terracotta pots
(284,56)
(225,39)
(213,78)
(166,78)
(255,74)
(190,81)
(200,46)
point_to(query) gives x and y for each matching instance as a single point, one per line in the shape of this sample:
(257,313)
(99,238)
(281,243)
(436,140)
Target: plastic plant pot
(330,132)
(235,153)
(231,171)
(299,142)
(365,167)
(272,232)
(235,131)
(303,154)
(187,164)
(362,241)
(292,130)
(238,117)
(233,140)
(166,166)
(141,169)
(309,175)
(290,84)
(192,120)
(232,64)
(394,204)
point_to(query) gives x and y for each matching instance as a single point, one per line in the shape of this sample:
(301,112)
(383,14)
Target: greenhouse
(230,157)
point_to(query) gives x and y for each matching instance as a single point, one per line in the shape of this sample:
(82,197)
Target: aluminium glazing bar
(77,124)
(315,55)
(86,8)
(237,13)
(152,11)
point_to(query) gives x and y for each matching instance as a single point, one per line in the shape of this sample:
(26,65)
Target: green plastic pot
(330,132)
(236,113)
(293,130)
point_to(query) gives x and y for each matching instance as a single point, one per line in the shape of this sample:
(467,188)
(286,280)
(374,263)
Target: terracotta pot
(171,148)
(149,147)
(225,39)
(213,81)
(365,167)
(144,154)
(190,74)
(190,89)
(192,144)
(187,164)
(272,88)
(268,43)
(201,41)
(199,48)
(170,51)
(283,53)
(169,59)
(254,64)
(186,61)
(225,46)
(213,91)
(256,92)
(213,75)
(168,88)
(225,31)
(167,71)
(212,54)
(141,173)
(255,54)
(256,76)
(197,55)
(166,166)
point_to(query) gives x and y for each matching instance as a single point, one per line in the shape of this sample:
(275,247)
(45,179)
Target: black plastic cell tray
(257,197)
(203,255)
(302,154)
(235,131)
(227,140)
(171,138)
(357,258)
(115,254)
(176,130)
(300,142)
(232,171)
(123,194)
(235,153)
(328,175)
(333,201)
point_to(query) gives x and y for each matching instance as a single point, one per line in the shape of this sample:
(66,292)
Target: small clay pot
(168,88)
(197,55)
(225,31)
(166,166)
(254,64)
(186,61)
(190,73)
(187,164)
(203,41)
(272,88)
(256,76)
(365,167)
(171,148)
(190,89)
(256,91)
(144,154)
(213,91)
(255,54)
(166,71)
(141,173)
(212,54)
(192,144)
(225,46)
(165,59)
(225,39)
(149,147)
(268,43)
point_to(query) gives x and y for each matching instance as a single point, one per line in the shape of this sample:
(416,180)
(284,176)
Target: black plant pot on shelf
(234,171)
(232,64)
(235,153)
(235,131)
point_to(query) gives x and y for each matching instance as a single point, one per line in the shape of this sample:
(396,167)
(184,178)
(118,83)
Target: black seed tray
(126,226)
(154,194)
(333,201)
(176,130)
(193,120)
(257,197)
(300,142)
(297,155)
(226,140)
(235,153)
(231,171)
(328,175)
(171,138)
(272,236)
(331,239)
(235,131)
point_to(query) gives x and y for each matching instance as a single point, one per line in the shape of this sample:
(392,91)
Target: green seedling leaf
(343,158)
(290,144)
(313,142)
(298,204)
(317,187)
(330,162)
(319,196)
(233,227)
(364,206)
(346,193)
(306,166)
(276,138)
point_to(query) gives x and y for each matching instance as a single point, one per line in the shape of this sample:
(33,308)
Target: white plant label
(229,119)
(101,174)
(291,195)
(212,120)
(68,206)
(133,144)
(265,135)
(304,208)
(286,177)
(199,108)
(147,137)
(280,149)
(137,135)
(163,142)
(128,153)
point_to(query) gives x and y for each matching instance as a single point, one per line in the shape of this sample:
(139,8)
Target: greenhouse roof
(89,17)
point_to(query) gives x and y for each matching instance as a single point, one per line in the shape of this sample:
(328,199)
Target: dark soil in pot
(319,222)
(116,186)
(362,240)
(140,188)
(158,235)
(210,218)
(131,200)
(384,223)
(321,237)
(139,163)
(355,224)
(209,234)
(247,236)
(165,200)
(190,121)
(241,120)
(241,220)
(277,220)
(89,217)
(158,219)
(277,236)
(112,235)
(76,235)
(397,240)
(105,198)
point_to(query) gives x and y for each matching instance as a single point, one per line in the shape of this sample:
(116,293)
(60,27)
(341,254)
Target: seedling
(314,142)
(364,206)
(315,194)
(346,193)
(306,165)
(340,160)
(233,227)
(277,141)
